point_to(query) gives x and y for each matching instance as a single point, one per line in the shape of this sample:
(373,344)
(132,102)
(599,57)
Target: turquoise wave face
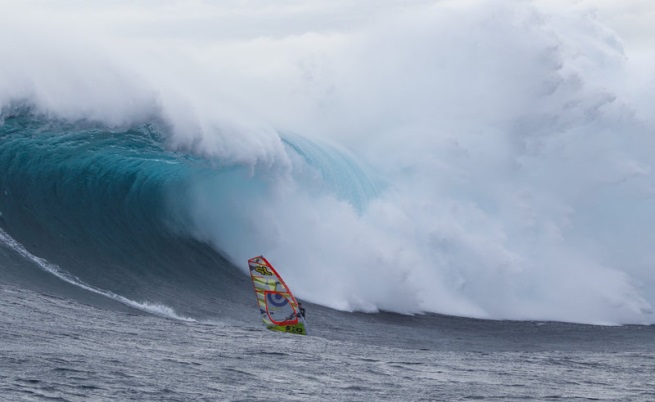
(87,182)
(114,207)
(334,171)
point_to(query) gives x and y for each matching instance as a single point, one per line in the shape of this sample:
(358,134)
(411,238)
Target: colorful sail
(277,305)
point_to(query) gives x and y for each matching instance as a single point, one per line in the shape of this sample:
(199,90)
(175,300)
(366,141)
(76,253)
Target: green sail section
(277,305)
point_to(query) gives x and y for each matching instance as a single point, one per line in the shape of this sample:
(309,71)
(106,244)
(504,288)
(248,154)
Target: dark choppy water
(59,349)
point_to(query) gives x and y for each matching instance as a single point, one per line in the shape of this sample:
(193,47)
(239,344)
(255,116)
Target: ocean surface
(60,343)
(106,297)
(460,192)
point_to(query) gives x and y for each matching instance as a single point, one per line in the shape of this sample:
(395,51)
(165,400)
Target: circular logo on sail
(277,299)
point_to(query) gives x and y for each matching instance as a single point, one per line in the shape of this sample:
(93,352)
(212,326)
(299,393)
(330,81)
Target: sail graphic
(277,305)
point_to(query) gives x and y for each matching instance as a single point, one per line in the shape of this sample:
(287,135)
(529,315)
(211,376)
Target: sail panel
(277,305)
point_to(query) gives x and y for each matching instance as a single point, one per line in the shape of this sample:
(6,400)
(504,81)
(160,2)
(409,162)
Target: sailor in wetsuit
(301,310)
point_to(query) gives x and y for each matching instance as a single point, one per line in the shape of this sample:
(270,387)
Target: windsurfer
(275,300)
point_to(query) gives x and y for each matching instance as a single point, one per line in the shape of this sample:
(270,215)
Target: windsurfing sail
(277,305)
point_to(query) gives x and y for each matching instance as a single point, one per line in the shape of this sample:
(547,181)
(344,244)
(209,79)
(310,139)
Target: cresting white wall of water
(515,138)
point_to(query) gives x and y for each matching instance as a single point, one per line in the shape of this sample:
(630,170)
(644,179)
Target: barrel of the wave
(277,305)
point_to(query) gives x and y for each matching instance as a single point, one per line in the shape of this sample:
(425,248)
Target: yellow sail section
(277,305)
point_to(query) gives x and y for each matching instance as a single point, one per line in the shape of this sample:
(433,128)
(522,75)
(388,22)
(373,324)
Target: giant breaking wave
(473,159)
